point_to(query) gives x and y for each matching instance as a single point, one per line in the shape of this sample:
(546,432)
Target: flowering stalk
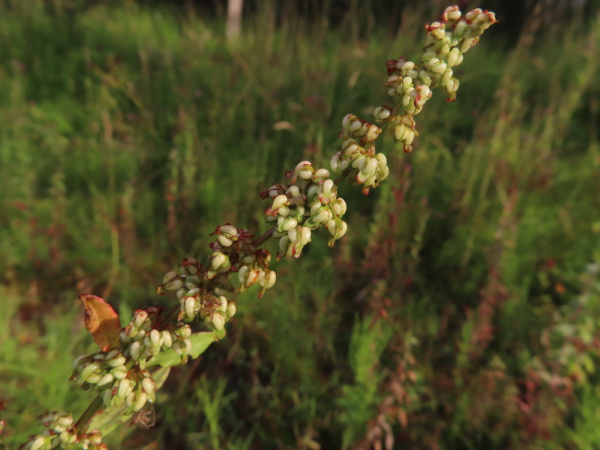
(123,371)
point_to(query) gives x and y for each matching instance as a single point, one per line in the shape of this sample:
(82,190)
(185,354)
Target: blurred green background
(461,311)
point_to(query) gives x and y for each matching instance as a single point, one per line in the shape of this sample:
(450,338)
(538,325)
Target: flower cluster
(144,337)
(362,165)
(120,374)
(204,291)
(61,433)
(308,203)
(447,40)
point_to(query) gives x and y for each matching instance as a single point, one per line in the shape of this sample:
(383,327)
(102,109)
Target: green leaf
(169,358)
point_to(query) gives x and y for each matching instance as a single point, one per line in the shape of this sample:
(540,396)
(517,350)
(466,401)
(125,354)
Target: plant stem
(84,420)
(260,240)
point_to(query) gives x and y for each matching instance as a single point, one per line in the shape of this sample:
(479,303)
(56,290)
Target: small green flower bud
(328,186)
(440,67)
(223,306)
(218,321)
(359,162)
(93,378)
(140,317)
(106,379)
(107,397)
(438,33)
(170,276)
(382,113)
(67,438)
(117,361)
(173,285)
(334,163)
(135,350)
(224,241)
(305,237)
(339,207)
(167,338)
(293,235)
(119,372)
(189,304)
(288,224)
(65,421)
(188,346)
(370,166)
(192,292)
(89,369)
(156,338)
(125,386)
(184,330)
(140,402)
(130,398)
(218,260)
(242,273)
(251,277)
(461,26)
(270,279)
(231,309)
(320,175)
(41,442)
(284,211)
(279,201)
(323,216)
(228,230)
(149,385)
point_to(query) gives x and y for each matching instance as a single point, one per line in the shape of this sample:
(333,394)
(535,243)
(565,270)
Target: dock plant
(132,363)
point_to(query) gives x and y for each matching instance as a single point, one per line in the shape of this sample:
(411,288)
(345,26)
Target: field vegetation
(462,309)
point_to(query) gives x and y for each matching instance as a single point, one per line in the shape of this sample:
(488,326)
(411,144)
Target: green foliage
(360,399)
(127,134)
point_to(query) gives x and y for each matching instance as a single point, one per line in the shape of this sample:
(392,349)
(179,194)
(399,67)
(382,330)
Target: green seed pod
(106,379)
(135,350)
(231,309)
(269,281)
(88,370)
(228,230)
(117,361)
(130,398)
(156,338)
(93,378)
(107,397)
(148,385)
(40,442)
(167,338)
(174,285)
(218,321)
(124,388)
(140,402)
(169,276)
(224,241)
(119,372)
(189,305)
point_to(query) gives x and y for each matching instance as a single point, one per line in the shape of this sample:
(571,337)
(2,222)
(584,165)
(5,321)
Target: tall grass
(458,312)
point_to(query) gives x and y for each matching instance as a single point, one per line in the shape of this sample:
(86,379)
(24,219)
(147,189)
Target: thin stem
(260,240)
(85,418)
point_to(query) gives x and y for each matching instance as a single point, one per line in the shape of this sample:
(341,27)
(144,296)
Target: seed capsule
(148,385)
(173,285)
(117,361)
(107,378)
(125,387)
(218,321)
